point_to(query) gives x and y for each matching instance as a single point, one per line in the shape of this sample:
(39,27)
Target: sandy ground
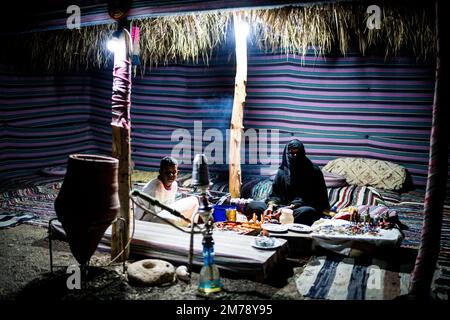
(25,274)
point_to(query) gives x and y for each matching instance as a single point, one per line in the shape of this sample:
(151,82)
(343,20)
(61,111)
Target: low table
(349,244)
(233,253)
(341,243)
(300,244)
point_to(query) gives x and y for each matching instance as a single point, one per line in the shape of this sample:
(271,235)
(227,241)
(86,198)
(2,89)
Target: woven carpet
(31,198)
(410,214)
(11,220)
(34,204)
(442,282)
(343,278)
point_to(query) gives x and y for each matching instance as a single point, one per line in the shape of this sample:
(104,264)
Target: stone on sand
(151,272)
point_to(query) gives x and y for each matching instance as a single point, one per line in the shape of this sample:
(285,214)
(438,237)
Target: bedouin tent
(189,32)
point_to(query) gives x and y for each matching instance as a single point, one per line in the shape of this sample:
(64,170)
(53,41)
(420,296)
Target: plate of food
(265,243)
(238,227)
(297,227)
(273,227)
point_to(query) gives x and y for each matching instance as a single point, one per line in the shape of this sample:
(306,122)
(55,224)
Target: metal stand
(50,237)
(123,244)
(191,244)
(83,267)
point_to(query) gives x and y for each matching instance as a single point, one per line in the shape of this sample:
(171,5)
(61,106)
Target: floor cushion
(369,172)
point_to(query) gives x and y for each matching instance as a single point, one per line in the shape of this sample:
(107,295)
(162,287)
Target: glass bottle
(209,280)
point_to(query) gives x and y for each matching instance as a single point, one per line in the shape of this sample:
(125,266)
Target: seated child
(164,188)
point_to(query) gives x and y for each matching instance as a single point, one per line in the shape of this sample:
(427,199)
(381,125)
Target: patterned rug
(412,216)
(33,204)
(344,278)
(11,220)
(31,198)
(442,282)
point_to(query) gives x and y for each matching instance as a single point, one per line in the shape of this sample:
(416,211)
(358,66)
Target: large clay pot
(88,202)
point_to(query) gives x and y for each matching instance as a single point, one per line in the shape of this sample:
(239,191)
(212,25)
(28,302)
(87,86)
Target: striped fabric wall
(339,106)
(43,119)
(171,105)
(345,106)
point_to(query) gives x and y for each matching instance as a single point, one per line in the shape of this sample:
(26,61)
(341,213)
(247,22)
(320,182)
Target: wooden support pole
(236,128)
(121,228)
(121,149)
(427,257)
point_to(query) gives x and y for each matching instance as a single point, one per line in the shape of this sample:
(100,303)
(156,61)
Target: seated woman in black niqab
(298,186)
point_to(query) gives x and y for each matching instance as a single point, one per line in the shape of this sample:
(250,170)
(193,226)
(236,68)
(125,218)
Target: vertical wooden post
(427,257)
(121,145)
(121,228)
(236,128)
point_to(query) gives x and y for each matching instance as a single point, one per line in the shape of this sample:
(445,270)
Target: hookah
(209,279)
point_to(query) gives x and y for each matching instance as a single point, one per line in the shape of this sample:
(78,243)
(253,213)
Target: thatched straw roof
(182,38)
(193,37)
(293,29)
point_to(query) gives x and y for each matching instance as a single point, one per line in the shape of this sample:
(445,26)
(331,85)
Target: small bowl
(264,241)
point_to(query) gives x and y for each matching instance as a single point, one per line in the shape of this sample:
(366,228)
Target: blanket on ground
(339,278)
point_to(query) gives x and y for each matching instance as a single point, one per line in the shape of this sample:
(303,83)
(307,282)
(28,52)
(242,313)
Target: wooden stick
(237,127)
(121,229)
(121,147)
(427,257)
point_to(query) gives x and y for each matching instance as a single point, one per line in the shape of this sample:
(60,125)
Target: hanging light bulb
(114,44)
(242,30)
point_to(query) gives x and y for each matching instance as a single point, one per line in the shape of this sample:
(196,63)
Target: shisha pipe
(200,179)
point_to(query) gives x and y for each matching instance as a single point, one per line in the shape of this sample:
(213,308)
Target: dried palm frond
(186,38)
(63,50)
(192,38)
(324,27)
